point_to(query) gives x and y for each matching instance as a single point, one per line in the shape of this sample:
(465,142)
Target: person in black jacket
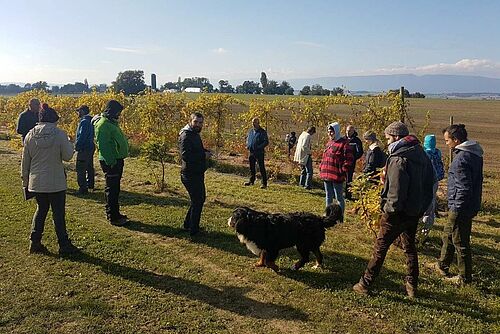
(375,157)
(194,164)
(257,140)
(28,118)
(465,187)
(357,148)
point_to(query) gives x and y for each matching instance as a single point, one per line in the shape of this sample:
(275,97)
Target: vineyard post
(402,108)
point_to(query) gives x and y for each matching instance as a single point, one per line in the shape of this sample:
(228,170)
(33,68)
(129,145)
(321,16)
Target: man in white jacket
(303,157)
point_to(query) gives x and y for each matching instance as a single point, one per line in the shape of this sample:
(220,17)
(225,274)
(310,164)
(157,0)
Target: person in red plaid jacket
(338,157)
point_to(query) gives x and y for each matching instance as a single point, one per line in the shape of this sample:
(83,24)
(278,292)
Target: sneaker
(248,183)
(360,288)
(264,186)
(118,221)
(38,248)
(410,289)
(68,249)
(435,267)
(308,188)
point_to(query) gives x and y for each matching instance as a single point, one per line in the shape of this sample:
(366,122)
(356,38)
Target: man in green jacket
(113,148)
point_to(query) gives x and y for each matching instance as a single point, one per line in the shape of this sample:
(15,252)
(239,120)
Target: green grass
(150,277)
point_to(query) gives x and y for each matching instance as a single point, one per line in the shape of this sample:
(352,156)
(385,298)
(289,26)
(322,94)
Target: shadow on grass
(229,298)
(227,242)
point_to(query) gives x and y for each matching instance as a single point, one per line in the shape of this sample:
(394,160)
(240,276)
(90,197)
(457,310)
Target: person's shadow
(229,298)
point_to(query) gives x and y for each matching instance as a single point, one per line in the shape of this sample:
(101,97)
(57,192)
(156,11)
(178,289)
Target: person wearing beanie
(335,163)
(434,155)
(465,187)
(406,195)
(85,148)
(375,158)
(45,148)
(303,155)
(357,148)
(113,149)
(28,118)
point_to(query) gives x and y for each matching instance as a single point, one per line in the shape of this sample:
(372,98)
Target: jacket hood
(336,127)
(408,148)
(186,128)
(44,134)
(471,146)
(430,143)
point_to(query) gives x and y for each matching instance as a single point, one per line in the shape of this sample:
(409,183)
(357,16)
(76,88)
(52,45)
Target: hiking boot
(122,216)
(68,249)
(118,221)
(38,248)
(411,290)
(249,183)
(360,288)
(436,268)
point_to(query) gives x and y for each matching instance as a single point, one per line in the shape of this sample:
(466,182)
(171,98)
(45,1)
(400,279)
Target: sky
(69,41)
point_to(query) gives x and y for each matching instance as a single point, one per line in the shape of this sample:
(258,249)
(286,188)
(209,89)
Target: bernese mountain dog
(265,234)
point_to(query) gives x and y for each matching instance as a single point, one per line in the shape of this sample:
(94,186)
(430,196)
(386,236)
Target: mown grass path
(150,277)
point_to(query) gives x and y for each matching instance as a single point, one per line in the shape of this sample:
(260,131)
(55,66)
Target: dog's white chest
(252,247)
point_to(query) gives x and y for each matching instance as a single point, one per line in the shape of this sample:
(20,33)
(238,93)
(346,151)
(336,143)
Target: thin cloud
(219,51)
(309,44)
(123,50)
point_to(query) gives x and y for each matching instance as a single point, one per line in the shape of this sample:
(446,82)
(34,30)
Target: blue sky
(66,41)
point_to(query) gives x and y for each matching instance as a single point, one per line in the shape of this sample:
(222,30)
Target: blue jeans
(334,190)
(306,173)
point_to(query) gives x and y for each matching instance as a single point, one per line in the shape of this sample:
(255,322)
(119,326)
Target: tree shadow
(229,298)
(214,239)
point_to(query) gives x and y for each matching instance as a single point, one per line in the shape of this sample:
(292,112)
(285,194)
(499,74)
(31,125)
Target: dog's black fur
(266,234)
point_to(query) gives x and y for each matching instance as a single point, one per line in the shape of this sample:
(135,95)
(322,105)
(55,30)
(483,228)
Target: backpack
(437,163)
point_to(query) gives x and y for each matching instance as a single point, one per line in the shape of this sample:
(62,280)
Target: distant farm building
(192,90)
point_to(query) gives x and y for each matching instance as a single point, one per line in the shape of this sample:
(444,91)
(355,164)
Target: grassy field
(150,277)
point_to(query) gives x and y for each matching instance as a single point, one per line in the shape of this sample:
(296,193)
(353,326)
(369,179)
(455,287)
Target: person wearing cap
(257,140)
(375,158)
(335,163)
(28,118)
(357,149)
(45,148)
(84,147)
(113,149)
(406,195)
(303,155)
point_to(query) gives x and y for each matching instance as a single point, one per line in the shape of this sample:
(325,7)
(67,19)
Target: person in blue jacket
(85,148)
(257,140)
(465,186)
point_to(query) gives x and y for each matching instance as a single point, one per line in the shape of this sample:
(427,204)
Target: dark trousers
(253,159)
(195,185)
(85,173)
(113,175)
(456,237)
(350,174)
(390,228)
(57,202)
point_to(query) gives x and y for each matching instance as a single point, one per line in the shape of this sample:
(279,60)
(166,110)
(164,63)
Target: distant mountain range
(427,84)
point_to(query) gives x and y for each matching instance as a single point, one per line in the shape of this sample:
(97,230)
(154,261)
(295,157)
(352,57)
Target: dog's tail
(333,214)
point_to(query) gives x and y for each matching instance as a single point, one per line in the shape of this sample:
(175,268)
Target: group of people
(410,176)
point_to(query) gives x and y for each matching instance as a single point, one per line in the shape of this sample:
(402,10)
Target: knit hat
(47,114)
(84,110)
(113,109)
(397,129)
(370,135)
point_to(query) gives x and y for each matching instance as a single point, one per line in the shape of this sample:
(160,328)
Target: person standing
(45,148)
(335,163)
(291,139)
(465,187)
(85,148)
(257,140)
(194,164)
(113,149)
(406,195)
(434,155)
(375,157)
(28,118)
(357,148)
(303,155)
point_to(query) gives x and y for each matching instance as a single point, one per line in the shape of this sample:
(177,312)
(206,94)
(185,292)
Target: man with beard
(194,164)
